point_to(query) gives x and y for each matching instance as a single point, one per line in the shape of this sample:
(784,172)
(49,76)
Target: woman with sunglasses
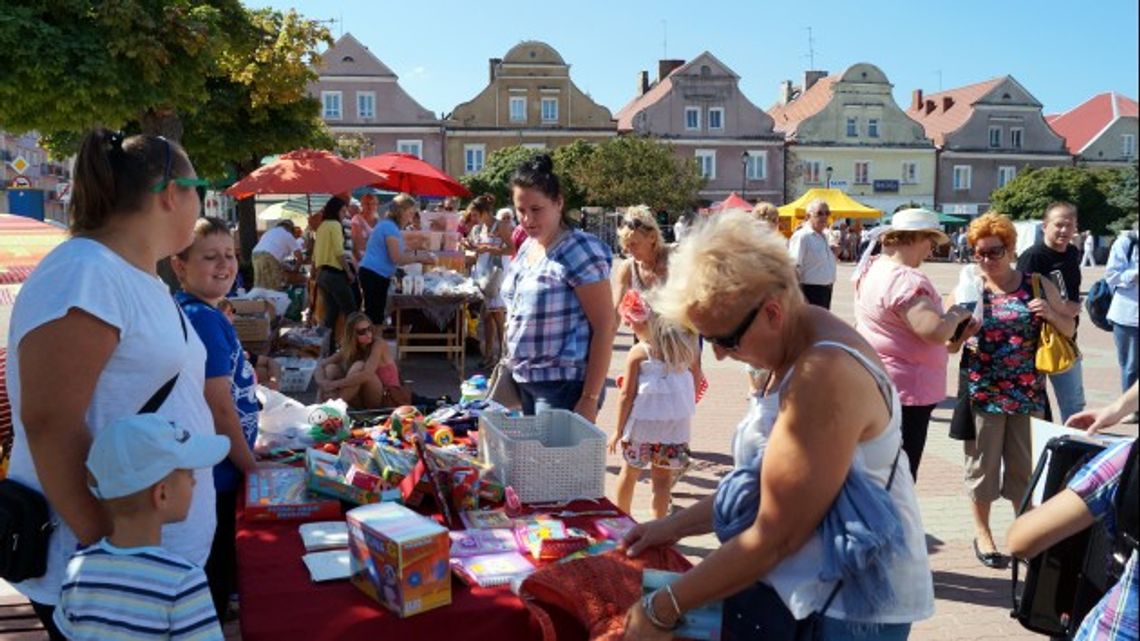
(647,265)
(95,336)
(361,372)
(826,408)
(1004,387)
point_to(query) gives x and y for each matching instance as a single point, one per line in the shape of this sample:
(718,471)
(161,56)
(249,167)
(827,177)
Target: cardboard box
(335,476)
(253,320)
(279,493)
(399,558)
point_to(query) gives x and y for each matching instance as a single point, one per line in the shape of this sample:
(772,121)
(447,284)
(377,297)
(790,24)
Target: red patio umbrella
(305,171)
(734,201)
(408,174)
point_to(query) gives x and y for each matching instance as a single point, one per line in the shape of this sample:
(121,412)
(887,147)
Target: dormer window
(348,59)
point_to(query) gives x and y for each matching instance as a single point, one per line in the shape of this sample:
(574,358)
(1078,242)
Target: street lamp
(743,171)
(828,172)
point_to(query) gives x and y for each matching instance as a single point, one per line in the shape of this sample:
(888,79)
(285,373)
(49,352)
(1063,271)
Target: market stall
(441,298)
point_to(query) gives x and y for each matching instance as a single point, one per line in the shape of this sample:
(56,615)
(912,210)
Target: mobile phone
(962,326)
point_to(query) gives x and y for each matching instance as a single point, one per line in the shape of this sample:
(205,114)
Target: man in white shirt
(270,253)
(815,262)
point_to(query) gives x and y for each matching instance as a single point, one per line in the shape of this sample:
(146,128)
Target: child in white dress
(658,400)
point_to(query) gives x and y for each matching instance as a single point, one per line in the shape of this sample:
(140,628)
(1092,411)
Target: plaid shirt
(548,335)
(1115,616)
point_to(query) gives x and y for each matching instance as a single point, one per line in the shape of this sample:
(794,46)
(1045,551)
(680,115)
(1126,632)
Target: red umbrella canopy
(408,174)
(305,171)
(734,201)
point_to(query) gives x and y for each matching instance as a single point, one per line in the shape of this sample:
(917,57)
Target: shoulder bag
(1056,353)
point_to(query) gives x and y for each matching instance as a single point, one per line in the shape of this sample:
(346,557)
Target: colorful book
(476,542)
(486,519)
(487,570)
(324,535)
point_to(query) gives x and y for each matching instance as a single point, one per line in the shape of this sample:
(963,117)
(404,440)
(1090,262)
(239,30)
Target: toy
(464,488)
(404,422)
(474,388)
(329,422)
(397,556)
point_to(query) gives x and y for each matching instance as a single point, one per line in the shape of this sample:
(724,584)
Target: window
(534,145)
(692,118)
(862,172)
(910,173)
(811,172)
(757,168)
(852,126)
(1128,145)
(1015,137)
(366,104)
(706,163)
(716,118)
(549,110)
(873,127)
(962,175)
(331,102)
(995,137)
(473,158)
(1005,175)
(413,147)
(518,109)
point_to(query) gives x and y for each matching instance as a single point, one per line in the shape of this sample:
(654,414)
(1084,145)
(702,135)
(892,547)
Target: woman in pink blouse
(899,312)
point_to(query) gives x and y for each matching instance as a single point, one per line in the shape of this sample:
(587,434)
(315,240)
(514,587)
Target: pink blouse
(917,367)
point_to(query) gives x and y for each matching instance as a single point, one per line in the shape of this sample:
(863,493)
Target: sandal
(994,560)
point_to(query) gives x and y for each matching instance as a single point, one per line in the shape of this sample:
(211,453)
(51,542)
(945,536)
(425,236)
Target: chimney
(916,100)
(494,62)
(642,83)
(947,102)
(786,92)
(666,67)
(929,106)
(812,77)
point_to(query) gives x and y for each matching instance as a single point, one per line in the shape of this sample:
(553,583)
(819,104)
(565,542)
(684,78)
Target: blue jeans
(1126,338)
(1069,388)
(839,630)
(549,395)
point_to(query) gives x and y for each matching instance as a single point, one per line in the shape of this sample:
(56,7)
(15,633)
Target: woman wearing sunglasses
(1005,389)
(826,408)
(94,334)
(362,372)
(647,265)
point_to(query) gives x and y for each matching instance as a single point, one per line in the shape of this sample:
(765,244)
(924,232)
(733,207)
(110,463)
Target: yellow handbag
(1056,353)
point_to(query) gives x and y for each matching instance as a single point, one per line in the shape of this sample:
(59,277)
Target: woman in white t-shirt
(95,334)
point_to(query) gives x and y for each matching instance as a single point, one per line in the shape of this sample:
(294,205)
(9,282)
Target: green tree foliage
(570,161)
(1124,194)
(631,170)
(1027,195)
(495,177)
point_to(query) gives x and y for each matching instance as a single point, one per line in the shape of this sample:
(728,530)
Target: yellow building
(529,100)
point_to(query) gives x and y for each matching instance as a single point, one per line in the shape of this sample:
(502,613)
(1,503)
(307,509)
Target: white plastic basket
(554,456)
(296,373)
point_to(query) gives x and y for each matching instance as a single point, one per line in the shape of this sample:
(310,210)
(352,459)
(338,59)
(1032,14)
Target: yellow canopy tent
(840,204)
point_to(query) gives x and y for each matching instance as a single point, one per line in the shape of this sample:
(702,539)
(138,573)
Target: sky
(1063,52)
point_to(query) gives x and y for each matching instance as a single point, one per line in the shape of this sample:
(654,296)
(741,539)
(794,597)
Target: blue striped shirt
(548,334)
(112,593)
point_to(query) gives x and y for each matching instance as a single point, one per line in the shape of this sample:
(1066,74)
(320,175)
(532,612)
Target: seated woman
(826,426)
(362,372)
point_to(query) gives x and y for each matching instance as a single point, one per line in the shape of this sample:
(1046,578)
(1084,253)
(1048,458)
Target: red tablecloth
(279,601)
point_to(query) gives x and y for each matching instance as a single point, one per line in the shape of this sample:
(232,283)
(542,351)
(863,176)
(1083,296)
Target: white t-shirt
(815,262)
(86,275)
(277,242)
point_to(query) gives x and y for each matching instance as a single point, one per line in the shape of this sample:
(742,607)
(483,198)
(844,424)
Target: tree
(1026,196)
(495,177)
(353,146)
(632,170)
(570,161)
(1124,194)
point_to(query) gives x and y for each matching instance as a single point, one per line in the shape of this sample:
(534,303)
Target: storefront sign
(960,208)
(885,186)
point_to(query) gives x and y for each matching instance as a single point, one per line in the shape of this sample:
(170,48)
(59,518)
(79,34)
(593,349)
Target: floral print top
(1003,376)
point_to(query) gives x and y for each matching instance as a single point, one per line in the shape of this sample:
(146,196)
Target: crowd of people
(142,459)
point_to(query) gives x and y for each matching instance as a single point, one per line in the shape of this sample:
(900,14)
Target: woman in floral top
(1005,388)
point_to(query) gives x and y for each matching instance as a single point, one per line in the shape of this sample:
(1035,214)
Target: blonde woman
(766,212)
(647,265)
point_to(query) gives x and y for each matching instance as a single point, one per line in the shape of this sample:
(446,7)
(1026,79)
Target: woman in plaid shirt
(560,323)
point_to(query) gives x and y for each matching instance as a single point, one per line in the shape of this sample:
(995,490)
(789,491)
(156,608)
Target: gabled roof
(804,106)
(662,87)
(348,57)
(939,120)
(1083,124)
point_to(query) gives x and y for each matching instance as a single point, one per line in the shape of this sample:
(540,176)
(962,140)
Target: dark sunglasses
(197,183)
(731,341)
(363,331)
(633,223)
(990,254)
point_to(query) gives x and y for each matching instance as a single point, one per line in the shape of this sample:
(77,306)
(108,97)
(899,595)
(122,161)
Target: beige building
(360,95)
(529,100)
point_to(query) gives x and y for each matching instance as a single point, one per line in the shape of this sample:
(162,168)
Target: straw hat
(917,220)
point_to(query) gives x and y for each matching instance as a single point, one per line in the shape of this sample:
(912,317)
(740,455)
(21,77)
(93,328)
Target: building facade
(699,108)
(360,95)
(27,174)
(1101,131)
(845,131)
(529,100)
(986,133)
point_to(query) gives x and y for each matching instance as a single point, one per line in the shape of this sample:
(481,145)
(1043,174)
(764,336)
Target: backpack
(1100,296)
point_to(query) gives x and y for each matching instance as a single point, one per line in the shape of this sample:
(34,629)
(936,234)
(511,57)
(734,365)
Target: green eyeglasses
(181,181)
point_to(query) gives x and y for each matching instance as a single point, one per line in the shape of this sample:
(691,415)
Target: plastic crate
(296,373)
(554,456)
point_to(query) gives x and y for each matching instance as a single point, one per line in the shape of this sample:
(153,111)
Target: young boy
(126,586)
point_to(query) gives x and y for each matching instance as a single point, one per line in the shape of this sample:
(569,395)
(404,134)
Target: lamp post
(743,171)
(828,172)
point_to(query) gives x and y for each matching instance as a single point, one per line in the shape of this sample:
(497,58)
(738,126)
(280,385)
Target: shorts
(674,456)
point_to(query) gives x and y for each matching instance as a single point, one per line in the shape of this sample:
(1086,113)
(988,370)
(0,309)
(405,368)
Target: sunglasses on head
(197,183)
(731,341)
(633,223)
(989,254)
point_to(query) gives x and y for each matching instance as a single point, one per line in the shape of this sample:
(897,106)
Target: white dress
(664,407)
(486,262)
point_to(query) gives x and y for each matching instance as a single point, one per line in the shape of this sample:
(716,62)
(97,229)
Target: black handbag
(962,420)
(25,518)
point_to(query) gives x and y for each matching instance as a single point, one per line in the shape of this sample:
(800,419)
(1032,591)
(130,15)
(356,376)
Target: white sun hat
(917,219)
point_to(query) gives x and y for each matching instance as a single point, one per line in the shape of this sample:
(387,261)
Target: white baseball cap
(135,452)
